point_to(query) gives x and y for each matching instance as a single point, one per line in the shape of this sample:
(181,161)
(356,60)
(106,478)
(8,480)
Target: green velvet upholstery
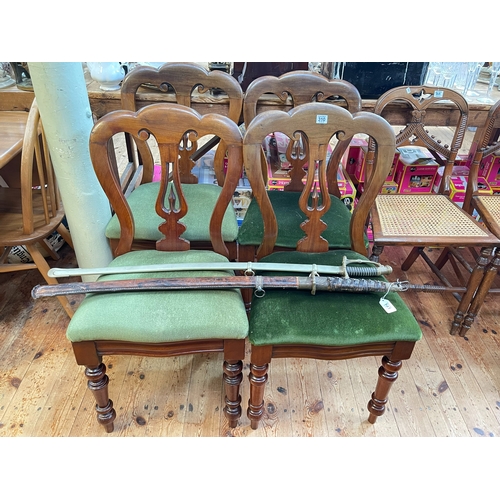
(289,217)
(155,316)
(201,199)
(327,318)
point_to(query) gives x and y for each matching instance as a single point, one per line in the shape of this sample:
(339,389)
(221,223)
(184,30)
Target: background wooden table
(12,127)
(102,102)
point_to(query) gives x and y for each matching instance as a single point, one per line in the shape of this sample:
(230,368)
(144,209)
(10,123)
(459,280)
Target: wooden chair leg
(61,229)
(259,365)
(50,251)
(410,259)
(232,381)
(443,258)
(475,281)
(98,383)
(376,252)
(43,267)
(482,291)
(387,374)
(234,353)
(258,379)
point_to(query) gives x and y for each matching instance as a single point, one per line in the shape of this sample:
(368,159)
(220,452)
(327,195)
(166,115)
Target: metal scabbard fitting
(259,287)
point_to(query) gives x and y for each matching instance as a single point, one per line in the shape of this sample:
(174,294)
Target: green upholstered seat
(201,199)
(327,318)
(156,316)
(289,216)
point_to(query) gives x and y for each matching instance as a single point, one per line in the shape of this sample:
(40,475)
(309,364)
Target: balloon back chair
(431,219)
(173,322)
(31,208)
(322,325)
(484,151)
(293,89)
(183,83)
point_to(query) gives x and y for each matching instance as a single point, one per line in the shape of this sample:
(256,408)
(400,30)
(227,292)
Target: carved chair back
(168,124)
(317,124)
(413,102)
(293,89)
(186,82)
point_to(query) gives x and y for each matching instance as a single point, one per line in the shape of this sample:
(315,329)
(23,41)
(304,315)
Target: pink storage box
(354,157)
(490,170)
(458,170)
(416,170)
(462,160)
(458,186)
(389,187)
(357,160)
(395,162)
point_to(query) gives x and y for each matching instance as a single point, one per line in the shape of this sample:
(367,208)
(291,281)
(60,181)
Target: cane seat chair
(31,208)
(485,147)
(293,89)
(422,220)
(173,322)
(183,83)
(296,323)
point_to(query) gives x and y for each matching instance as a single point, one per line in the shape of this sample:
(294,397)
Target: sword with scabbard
(349,279)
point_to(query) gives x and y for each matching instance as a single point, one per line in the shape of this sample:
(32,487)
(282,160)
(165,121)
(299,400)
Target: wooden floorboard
(449,388)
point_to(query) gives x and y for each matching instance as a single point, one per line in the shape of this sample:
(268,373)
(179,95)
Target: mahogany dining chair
(293,89)
(321,324)
(172,322)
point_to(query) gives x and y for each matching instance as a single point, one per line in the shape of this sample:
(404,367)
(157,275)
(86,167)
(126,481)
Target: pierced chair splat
(326,326)
(163,323)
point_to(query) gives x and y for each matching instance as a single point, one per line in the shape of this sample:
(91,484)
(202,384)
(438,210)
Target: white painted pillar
(63,101)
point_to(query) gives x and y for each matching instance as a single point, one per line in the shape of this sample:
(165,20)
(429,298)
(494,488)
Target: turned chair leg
(482,291)
(387,374)
(258,379)
(232,381)
(376,252)
(476,280)
(98,383)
